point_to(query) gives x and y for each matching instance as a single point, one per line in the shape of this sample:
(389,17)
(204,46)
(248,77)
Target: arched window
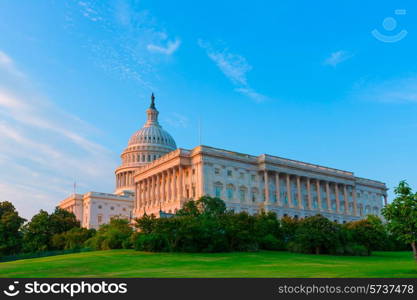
(218,187)
(229,191)
(254,194)
(242,194)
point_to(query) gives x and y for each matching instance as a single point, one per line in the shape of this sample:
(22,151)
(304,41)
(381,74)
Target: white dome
(145,145)
(152,135)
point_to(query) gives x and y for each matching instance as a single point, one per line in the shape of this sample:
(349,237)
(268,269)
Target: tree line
(205,225)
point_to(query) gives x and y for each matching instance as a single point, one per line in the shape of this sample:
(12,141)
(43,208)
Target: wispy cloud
(129,54)
(176,120)
(7,63)
(401,90)
(170,48)
(337,57)
(234,66)
(43,149)
(251,94)
(89,12)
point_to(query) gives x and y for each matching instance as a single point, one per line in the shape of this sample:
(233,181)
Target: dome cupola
(144,146)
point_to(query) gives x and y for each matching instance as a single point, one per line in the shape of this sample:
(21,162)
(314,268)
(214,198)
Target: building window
(217,171)
(253,177)
(229,173)
(241,175)
(99,207)
(218,191)
(111,207)
(99,219)
(229,192)
(242,195)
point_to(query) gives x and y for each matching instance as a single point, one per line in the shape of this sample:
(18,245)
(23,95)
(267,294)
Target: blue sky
(298,79)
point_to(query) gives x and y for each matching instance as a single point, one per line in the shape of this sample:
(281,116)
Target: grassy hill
(129,263)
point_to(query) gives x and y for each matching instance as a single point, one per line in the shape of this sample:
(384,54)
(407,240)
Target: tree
(72,239)
(401,215)
(10,224)
(115,235)
(316,234)
(268,231)
(38,233)
(62,220)
(368,232)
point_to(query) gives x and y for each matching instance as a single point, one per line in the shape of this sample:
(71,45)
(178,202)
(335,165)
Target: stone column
(355,205)
(181,184)
(202,187)
(153,198)
(266,187)
(290,204)
(142,195)
(172,185)
(163,186)
(318,194)
(299,198)
(138,196)
(277,189)
(336,191)
(345,195)
(190,179)
(385,200)
(310,206)
(329,202)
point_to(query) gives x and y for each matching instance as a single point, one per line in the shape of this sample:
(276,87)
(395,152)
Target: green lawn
(129,263)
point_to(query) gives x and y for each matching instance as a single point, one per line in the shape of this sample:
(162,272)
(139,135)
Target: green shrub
(72,239)
(150,243)
(316,235)
(115,235)
(270,242)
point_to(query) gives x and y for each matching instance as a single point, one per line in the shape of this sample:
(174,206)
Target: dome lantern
(144,146)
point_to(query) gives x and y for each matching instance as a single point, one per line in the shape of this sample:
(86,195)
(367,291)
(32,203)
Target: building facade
(93,209)
(253,183)
(157,178)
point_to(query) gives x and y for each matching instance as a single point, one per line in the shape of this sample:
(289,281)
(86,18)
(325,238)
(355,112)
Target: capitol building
(156,177)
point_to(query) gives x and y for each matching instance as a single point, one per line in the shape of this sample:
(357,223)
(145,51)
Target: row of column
(309,183)
(166,186)
(124,179)
(173,184)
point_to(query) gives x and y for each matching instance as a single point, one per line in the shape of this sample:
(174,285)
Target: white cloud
(251,94)
(235,67)
(337,57)
(7,64)
(129,54)
(170,48)
(43,149)
(401,90)
(89,12)
(177,120)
